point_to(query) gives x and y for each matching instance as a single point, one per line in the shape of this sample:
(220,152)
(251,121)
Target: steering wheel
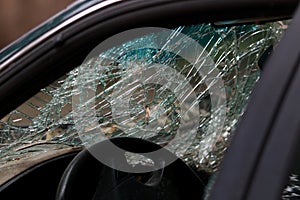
(89,179)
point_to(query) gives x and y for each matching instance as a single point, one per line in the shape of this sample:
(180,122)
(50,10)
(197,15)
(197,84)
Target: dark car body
(261,155)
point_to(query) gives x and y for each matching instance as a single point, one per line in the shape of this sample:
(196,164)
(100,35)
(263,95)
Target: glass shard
(144,88)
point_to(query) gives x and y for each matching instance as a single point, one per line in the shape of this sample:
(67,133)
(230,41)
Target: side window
(184,89)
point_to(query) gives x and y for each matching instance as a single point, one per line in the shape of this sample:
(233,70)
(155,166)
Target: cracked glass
(292,190)
(233,54)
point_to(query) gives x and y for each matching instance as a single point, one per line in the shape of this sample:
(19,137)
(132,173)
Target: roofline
(51,32)
(103,4)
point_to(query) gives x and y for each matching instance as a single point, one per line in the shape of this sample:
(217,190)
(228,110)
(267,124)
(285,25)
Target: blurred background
(19,16)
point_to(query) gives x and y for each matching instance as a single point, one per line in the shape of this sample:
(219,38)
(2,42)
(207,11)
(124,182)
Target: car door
(60,50)
(263,154)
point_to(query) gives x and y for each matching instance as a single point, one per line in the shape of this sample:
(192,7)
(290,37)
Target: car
(153,100)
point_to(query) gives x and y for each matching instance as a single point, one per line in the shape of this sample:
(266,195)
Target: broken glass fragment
(292,190)
(155,110)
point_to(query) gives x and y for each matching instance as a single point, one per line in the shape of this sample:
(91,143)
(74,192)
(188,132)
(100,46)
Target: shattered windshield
(159,86)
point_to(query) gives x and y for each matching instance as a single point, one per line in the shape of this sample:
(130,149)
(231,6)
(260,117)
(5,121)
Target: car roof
(80,5)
